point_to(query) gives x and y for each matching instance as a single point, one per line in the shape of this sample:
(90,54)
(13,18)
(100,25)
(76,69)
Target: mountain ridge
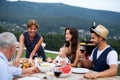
(55,15)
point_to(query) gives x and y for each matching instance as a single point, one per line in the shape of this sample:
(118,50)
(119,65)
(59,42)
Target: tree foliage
(53,41)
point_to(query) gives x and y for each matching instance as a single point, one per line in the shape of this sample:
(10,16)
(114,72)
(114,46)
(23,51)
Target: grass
(51,55)
(47,55)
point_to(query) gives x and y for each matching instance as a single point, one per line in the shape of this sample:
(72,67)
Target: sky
(110,5)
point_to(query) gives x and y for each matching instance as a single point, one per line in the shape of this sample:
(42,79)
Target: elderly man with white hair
(7,50)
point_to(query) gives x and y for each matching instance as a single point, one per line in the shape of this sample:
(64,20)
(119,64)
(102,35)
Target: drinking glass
(82,48)
(57,73)
(34,57)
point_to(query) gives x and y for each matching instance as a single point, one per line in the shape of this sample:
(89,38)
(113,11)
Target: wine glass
(36,55)
(82,48)
(57,73)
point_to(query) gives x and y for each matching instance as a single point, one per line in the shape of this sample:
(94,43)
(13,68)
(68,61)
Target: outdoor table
(73,76)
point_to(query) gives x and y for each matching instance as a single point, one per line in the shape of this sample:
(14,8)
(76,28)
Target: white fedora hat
(101,31)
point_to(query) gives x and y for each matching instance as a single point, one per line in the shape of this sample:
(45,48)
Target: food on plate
(26,63)
(66,69)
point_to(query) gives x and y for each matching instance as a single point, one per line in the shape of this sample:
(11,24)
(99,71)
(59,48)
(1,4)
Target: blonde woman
(32,41)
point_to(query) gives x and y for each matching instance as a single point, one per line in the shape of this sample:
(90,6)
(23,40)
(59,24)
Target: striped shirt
(7,72)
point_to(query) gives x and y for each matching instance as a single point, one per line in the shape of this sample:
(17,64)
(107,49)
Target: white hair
(7,39)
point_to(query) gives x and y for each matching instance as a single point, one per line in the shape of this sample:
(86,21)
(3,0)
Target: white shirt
(7,72)
(58,58)
(112,57)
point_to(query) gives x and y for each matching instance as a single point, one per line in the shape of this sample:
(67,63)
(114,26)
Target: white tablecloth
(73,76)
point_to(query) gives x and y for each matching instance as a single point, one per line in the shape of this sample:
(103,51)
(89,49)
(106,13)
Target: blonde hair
(32,22)
(65,49)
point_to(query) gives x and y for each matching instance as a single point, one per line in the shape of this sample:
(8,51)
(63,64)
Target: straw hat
(101,31)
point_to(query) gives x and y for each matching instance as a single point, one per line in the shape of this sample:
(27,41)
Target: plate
(80,70)
(29,78)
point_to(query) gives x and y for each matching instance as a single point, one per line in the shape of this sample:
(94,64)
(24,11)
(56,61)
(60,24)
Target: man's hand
(91,75)
(16,63)
(82,56)
(30,70)
(34,70)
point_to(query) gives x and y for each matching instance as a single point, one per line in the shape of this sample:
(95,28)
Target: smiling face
(32,27)
(68,36)
(32,30)
(95,39)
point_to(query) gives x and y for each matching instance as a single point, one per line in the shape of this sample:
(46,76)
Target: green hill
(54,16)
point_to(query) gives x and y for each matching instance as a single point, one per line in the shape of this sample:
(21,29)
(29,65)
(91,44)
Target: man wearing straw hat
(104,59)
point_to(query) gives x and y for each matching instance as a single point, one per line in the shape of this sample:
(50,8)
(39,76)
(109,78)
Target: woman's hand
(31,56)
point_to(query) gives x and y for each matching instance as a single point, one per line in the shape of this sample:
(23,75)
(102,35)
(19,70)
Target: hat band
(99,33)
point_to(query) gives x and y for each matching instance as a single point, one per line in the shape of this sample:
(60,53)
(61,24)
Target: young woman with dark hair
(73,45)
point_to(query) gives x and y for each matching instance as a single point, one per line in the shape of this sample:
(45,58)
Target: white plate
(80,70)
(29,78)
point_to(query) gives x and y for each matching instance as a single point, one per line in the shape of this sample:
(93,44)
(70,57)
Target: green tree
(53,41)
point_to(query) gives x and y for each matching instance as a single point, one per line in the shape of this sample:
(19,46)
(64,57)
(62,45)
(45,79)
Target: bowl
(46,67)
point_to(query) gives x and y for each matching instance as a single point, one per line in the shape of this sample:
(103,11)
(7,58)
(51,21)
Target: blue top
(30,46)
(7,72)
(100,63)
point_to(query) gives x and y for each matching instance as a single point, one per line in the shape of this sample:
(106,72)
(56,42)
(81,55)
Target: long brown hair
(74,41)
